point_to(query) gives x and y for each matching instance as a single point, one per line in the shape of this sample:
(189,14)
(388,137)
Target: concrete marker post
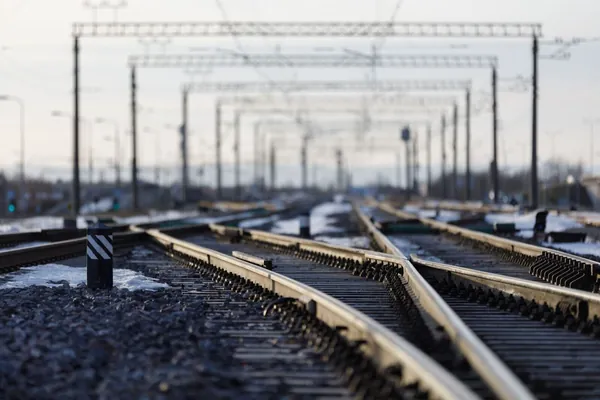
(100,256)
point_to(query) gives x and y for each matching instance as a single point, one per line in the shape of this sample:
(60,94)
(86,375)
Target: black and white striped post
(304,220)
(99,257)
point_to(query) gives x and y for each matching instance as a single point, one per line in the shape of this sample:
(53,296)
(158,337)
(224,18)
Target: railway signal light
(116,205)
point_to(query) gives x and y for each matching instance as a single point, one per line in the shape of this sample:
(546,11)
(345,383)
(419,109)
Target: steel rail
(384,347)
(484,361)
(586,305)
(472,207)
(589,267)
(494,372)
(12,260)
(49,235)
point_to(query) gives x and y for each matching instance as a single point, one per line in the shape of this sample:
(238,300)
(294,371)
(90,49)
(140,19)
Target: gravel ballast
(195,340)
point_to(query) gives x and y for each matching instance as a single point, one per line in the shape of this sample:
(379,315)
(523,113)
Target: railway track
(259,356)
(415,237)
(497,254)
(548,335)
(357,355)
(388,310)
(379,287)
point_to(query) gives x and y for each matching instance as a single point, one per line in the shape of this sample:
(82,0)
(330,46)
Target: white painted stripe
(107,245)
(91,254)
(98,248)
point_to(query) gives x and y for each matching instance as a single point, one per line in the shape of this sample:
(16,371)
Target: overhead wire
(241,49)
(375,50)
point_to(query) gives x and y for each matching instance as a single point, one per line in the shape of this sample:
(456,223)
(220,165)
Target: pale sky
(36,65)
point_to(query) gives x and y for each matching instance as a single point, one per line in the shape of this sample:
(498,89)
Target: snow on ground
(320,220)
(103,205)
(51,274)
(525,222)
(156,217)
(580,248)
(360,242)
(587,215)
(6,228)
(254,222)
(411,208)
(22,246)
(37,223)
(444,215)
(287,227)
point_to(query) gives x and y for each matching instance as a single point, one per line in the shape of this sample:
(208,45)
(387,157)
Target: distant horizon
(290,174)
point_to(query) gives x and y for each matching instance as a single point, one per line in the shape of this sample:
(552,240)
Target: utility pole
(455,151)
(184,147)
(236,151)
(273,161)
(429,160)
(468,143)
(534,124)
(415,164)
(405,136)
(340,170)
(304,161)
(76,199)
(264,149)
(91,157)
(443,128)
(398,170)
(157,158)
(408,178)
(134,181)
(495,179)
(218,148)
(591,123)
(256,150)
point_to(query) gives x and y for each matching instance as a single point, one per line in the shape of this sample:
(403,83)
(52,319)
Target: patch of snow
(331,208)
(444,215)
(360,242)
(447,216)
(587,215)
(48,275)
(222,218)
(320,220)
(554,223)
(103,205)
(580,248)
(157,217)
(411,208)
(37,223)
(9,229)
(22,246)
(254,222)
(287,227)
